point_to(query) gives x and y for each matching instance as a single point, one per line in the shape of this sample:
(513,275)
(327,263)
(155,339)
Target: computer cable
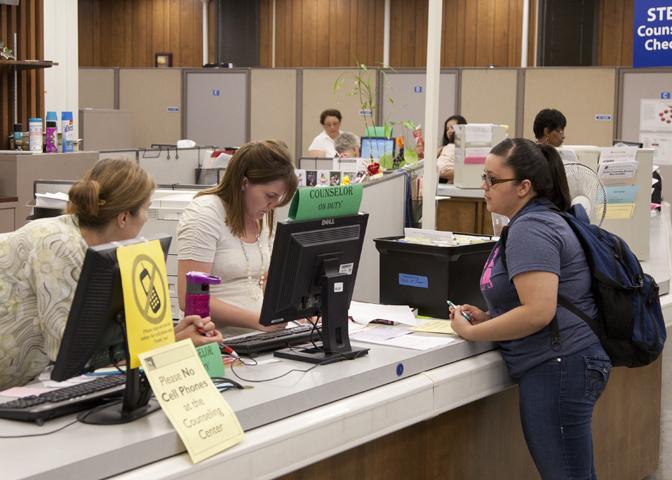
(326,361)
(63,427)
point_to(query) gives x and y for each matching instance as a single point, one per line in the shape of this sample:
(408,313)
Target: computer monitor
(95,334)
(312,273)
(375,147)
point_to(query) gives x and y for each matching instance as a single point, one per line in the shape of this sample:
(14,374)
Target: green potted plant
(362,88)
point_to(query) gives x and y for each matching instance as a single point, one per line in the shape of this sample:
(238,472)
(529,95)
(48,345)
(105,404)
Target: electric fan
(586,189)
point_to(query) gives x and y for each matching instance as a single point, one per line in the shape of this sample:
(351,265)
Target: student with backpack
(560,366)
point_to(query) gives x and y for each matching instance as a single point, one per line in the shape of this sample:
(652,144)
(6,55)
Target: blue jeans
(556,410)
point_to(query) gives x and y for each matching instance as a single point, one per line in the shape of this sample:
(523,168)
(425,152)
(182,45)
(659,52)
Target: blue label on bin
(417,281)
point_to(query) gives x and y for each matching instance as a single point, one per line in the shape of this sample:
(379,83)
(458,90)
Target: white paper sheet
(364,313)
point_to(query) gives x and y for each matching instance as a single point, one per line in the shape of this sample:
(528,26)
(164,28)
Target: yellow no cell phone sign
(146,300)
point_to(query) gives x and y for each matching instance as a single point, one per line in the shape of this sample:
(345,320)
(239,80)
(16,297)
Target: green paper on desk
(211,358)
(312,203)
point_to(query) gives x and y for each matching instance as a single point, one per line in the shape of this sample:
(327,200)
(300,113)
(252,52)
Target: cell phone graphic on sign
(150,291)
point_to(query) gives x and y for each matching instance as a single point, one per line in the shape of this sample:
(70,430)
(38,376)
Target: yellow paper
(200,415)
(618,211)
(146,301)
(434,326)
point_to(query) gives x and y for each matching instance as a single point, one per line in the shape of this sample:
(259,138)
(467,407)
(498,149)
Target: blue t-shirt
(540,240)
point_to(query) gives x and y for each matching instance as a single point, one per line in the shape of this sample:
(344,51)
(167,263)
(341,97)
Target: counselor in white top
(227,231)
(323,144)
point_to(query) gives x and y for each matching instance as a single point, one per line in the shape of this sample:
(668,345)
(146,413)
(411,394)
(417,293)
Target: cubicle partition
(154,97)
(273,106)
(318,94)
(168,166)
(406,89)
(105,128)
(491,95)
(98,87)
(634,86)
(587,97)
(216,106)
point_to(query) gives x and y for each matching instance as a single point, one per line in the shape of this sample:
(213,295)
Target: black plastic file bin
(425,276)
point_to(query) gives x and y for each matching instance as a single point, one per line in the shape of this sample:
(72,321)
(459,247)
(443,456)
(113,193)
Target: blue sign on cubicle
(652,44)
(215,92)
(665,95)
(417,89)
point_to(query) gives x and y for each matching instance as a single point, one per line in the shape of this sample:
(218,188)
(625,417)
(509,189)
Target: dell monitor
(312,273)
(95,334)
(374,147)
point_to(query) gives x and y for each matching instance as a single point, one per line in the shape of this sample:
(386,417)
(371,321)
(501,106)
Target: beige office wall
(273,106)
(318,95)
(154,95)
(106,129)
(96,88)
(580,94)
(490,96)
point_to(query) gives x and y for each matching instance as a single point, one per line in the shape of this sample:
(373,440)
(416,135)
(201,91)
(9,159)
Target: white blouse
(203,236)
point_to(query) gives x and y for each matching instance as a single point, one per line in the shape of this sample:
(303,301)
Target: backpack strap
(555,329)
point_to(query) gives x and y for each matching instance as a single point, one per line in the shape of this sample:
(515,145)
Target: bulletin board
(489,95)
(273,106)
(153,95)
(634,86)
(407,89)
(216,104)
(317,86)
(586,96)
(98,88)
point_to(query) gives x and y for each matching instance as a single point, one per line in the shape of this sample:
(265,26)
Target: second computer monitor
(312,273)
(375,147)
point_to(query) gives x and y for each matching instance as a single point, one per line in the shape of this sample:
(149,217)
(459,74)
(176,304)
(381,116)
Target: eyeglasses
(490,180)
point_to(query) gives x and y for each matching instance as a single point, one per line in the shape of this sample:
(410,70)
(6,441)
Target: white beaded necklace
(256,288)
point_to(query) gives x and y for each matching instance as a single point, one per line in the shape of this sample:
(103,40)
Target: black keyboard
(61,401)
(271,341)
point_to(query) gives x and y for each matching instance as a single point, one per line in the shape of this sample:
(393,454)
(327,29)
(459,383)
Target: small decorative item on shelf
(6,52)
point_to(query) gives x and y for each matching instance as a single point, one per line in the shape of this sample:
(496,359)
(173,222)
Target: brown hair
(259,162)
(111,187)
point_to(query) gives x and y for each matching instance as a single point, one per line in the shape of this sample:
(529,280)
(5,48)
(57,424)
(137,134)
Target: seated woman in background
(347,145)
(41,262)
(323,144)
(446,156)
(549,127)
(227,231)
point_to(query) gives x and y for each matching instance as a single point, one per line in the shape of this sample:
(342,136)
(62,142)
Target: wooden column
(27,21)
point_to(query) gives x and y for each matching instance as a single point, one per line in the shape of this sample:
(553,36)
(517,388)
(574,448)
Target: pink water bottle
(197,299)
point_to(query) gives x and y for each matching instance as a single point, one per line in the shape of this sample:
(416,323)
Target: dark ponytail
(559,193)
(540,164)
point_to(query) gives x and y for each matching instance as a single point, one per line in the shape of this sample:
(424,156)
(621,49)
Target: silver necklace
(256,287)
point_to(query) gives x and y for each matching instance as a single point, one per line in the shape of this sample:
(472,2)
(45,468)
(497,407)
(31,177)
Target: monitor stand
(136,401)
(336,341)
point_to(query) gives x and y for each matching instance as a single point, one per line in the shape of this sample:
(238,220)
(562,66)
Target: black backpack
(630,322)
